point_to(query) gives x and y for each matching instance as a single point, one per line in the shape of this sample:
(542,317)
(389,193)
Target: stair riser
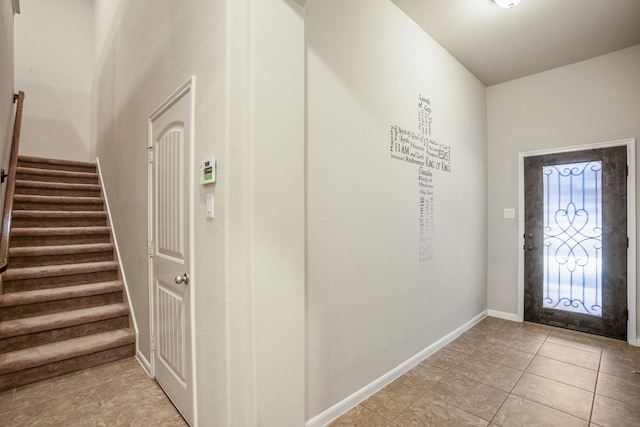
(57,306)
(22,241)
(77,258)
(56,166)
(58,222)
(40,191)
(52,178)
(61,334)
(28,354)
(38,206)
(59,281)
(32,375)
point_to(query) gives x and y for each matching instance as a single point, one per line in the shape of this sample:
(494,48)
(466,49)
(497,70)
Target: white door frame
(186,88)
(630,143)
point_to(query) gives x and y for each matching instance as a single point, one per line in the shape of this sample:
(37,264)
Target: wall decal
(418,148)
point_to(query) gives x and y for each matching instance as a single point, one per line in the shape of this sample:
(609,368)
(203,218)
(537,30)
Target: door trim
(632,337)
(186,89)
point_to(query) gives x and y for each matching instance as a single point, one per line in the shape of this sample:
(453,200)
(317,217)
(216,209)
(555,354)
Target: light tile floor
(503,373)
(499,373)
(116,394)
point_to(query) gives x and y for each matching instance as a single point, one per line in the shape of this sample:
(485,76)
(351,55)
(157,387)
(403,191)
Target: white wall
(104,12)
(6,90)
(277,215)
(371,303)
(248,59)
(592,101)
(151,49)
(53,66)
(265,213)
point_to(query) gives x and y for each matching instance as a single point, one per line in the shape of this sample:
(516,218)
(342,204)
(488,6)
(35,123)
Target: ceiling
(498,45)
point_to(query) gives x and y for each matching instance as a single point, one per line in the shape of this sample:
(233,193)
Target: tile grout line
(595,388)
(550,407)
(88,390)
(516,383)
(501,329)
(427,391)
(392,419)
(455,406)
(562,361)
(451,371)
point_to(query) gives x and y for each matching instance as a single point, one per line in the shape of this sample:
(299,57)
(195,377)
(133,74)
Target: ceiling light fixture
(507,4)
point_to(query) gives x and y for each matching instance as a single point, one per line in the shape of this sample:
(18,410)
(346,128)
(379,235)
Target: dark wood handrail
(11,185)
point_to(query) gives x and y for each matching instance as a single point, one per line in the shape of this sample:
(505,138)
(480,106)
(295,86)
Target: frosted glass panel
(572,240)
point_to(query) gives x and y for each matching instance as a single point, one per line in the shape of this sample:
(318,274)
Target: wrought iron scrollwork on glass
(572,237)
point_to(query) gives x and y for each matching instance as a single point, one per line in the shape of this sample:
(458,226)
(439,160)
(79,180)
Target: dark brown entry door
(575,240)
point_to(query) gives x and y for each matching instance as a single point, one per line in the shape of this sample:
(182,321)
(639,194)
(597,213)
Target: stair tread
(58,231)
(55,199)
(62,194)
(59,249)
(56,294)
(53,172)
(22,213)
(61,350)
(65,162)
(57,270)
(58,185)
(63,319)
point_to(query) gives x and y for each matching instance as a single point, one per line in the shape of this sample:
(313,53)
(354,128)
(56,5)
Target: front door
(171,147)
(575,240)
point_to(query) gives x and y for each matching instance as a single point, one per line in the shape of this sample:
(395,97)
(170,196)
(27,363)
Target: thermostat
(208,171)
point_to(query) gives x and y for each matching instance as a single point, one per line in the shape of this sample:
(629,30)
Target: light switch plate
(210,205)
(509,213)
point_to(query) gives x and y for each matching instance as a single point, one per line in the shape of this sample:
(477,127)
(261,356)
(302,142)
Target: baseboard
(117,250)
(503,315)
(359,396)
(146,365)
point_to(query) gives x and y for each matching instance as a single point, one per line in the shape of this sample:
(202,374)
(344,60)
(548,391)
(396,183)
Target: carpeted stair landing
(62,306)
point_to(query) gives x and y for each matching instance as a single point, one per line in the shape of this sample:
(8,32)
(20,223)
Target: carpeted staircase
(62,305)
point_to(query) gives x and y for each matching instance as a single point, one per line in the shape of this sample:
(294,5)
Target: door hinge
(627,170)
(150,248)
(626,313)
(627,243)
(153,343)
(150,151)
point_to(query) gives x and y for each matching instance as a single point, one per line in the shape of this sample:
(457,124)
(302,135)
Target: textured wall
(152,48)
(6,89)
(278,257)
(248,59)
(104,12)
(588,102)
(371,303)
(53,66)
(265,212)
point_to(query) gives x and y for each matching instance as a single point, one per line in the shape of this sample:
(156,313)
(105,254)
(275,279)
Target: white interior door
(170,257)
